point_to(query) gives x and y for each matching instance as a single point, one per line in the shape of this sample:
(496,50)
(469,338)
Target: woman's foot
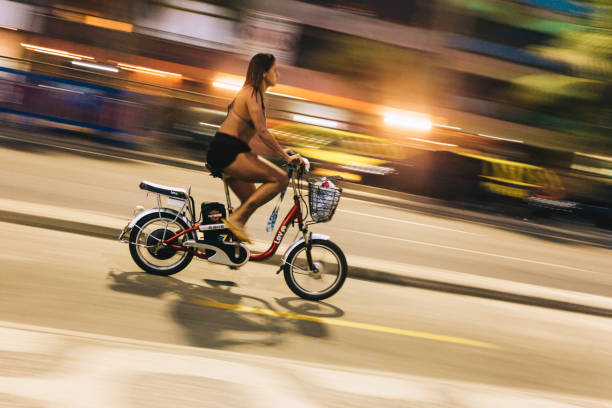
(238,231)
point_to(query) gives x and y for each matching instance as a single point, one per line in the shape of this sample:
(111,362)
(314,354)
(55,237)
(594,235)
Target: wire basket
(323,201)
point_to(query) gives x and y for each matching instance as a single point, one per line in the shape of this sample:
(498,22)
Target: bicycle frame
(294,214)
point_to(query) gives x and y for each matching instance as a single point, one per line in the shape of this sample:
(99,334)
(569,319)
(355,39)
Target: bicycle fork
(311,265)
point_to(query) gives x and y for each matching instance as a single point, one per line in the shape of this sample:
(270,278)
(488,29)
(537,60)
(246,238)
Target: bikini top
(248,121)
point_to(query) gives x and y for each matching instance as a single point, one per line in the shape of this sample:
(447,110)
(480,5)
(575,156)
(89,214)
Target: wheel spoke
(329,276)
(163,257)
(302,271)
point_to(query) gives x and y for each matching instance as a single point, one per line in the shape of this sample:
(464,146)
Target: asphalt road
(74,282)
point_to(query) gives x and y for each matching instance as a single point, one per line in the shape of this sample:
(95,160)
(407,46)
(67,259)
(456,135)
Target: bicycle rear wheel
(327,276)
(147,248)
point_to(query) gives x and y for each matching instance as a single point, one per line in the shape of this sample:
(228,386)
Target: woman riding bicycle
(229,152)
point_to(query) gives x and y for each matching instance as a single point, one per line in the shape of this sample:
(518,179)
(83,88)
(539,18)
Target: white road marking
(471,251)
(482,223)
(406,222)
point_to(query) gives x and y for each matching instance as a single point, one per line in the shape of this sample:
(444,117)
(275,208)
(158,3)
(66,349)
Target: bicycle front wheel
(325,278)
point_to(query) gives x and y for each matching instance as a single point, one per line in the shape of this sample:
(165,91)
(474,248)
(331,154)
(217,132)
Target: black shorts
(223,150)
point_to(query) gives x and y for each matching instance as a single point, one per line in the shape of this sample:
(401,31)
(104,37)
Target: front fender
(299,241)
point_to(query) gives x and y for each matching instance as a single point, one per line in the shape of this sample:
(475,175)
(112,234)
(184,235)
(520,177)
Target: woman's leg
(242,189)
(250,168)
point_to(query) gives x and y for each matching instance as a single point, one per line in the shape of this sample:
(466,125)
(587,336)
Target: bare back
(240,121)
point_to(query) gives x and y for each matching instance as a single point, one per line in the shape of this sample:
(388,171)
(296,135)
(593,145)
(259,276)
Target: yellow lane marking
(344,323)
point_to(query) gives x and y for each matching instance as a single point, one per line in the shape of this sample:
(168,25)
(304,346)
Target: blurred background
(499,105)
(474,138)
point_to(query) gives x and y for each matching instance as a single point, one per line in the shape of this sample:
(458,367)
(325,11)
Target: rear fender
(167,211)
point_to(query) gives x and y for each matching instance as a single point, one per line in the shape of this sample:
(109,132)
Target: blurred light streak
(52,51)
(432,142)
(344,175)
(210,124)
(8,28)
(594,156)
(315,121)
(225,85)
(95,66)
(60,89)
(211,111)
(380,170)
(110,24)
(285,95)
(236,84)
(408,121)
(500,138)
(591,169)
(447,127)
(146,70)
(338,157)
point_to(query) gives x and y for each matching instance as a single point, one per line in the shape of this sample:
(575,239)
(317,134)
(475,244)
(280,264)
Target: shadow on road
(213,316)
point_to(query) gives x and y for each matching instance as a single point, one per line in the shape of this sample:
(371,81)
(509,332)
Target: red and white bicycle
(163,240)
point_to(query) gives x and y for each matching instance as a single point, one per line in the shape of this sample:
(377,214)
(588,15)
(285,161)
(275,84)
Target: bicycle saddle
(164,190)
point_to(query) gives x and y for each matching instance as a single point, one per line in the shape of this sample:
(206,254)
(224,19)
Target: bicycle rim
(143,243)
(327,276)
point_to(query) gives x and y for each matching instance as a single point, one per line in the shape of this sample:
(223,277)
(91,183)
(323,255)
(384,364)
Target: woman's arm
(259,120)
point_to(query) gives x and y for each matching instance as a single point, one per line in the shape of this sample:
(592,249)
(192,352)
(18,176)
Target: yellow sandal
(239,233)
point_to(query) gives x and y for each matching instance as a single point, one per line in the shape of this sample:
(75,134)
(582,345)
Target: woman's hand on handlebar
(295,159)
(298,160)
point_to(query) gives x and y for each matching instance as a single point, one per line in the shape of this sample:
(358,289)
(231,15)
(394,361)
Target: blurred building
(465,64)
(486,79)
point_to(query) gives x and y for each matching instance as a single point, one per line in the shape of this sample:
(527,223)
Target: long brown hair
(259,64)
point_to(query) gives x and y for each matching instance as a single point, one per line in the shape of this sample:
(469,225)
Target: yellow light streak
(8,28)
(146,70)
(510,181)
(346,323)
(331,156)
(432,142)
(315,121)
(52,51)
(110,24)
(345,175)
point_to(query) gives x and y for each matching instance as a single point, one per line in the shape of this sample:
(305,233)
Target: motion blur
(499,104)
(474,143)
